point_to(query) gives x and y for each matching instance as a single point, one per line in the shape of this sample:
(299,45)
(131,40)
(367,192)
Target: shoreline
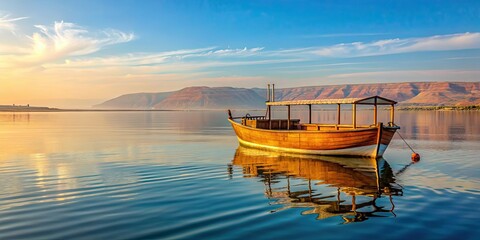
(5,108)
(432,108)
(84,110)
(439,108)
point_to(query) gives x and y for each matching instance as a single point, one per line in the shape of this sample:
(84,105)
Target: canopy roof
(375,100)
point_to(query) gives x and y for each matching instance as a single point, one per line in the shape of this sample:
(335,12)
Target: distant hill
(134,101)
(189,98)
(415,93)
(212,98)
(418,93)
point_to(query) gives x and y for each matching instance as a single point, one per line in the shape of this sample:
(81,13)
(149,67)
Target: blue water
(176,175)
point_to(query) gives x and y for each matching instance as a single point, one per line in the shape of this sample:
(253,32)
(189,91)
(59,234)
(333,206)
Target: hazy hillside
(134,101)
(189,98)
(420,93)
(211,98)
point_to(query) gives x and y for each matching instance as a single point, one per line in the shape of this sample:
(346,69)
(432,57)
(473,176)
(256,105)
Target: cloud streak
(408,75)
(8,23)
(333,35)
(408,45)
(187,59)
(72,44)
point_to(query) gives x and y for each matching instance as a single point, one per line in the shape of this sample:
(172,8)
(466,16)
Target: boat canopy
(375,100)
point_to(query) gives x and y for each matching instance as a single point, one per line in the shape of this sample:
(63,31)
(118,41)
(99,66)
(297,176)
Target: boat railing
(249,117)
(323,126)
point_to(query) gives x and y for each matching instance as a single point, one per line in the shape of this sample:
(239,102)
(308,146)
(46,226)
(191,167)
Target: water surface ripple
(181,175)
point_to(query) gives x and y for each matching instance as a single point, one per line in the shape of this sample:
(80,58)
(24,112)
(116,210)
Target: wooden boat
(290,135)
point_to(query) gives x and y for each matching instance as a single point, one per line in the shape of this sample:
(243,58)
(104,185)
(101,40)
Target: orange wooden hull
(370,142)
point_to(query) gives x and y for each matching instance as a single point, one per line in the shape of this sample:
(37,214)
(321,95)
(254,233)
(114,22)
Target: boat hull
(368,142)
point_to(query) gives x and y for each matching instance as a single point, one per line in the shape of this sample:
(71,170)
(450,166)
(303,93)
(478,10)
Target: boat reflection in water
(326,186)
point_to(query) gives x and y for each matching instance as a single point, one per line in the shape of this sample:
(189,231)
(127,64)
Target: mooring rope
(404,168)
(405,141)
(415,156)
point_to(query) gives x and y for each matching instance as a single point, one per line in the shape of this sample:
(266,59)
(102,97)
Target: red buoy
(415,157)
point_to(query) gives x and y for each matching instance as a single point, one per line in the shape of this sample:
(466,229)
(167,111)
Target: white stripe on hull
(367,151)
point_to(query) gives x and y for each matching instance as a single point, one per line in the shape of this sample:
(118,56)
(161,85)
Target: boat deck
(282,124)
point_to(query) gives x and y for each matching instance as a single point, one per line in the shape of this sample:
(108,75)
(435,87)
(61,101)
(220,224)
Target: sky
(79,53)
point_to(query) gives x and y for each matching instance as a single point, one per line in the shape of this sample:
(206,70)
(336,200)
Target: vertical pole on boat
(375,112)
(354,112)
(392,114)
(269,117)
(288,119)
(268,100)
(273,92)
(338,113)
(268,92)
(309,113)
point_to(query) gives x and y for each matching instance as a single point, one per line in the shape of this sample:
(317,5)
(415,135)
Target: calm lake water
(175,175)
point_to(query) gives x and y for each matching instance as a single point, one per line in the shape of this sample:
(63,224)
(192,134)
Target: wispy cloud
(8,23)
(185,59)
(385,76)
(408,75)
(229,52)
(394,46)
(462,58)
(62,40)
(333,35)
(68,39)
(303,66)
(72,44)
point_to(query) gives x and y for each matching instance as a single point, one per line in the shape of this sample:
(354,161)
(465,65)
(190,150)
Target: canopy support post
(309,113)
(269,117)
(392,114)
(273,92)
(338,113)
(354,116)
(288,121)
(268,93)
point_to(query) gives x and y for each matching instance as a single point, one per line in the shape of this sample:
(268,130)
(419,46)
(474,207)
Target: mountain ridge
(202,97)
